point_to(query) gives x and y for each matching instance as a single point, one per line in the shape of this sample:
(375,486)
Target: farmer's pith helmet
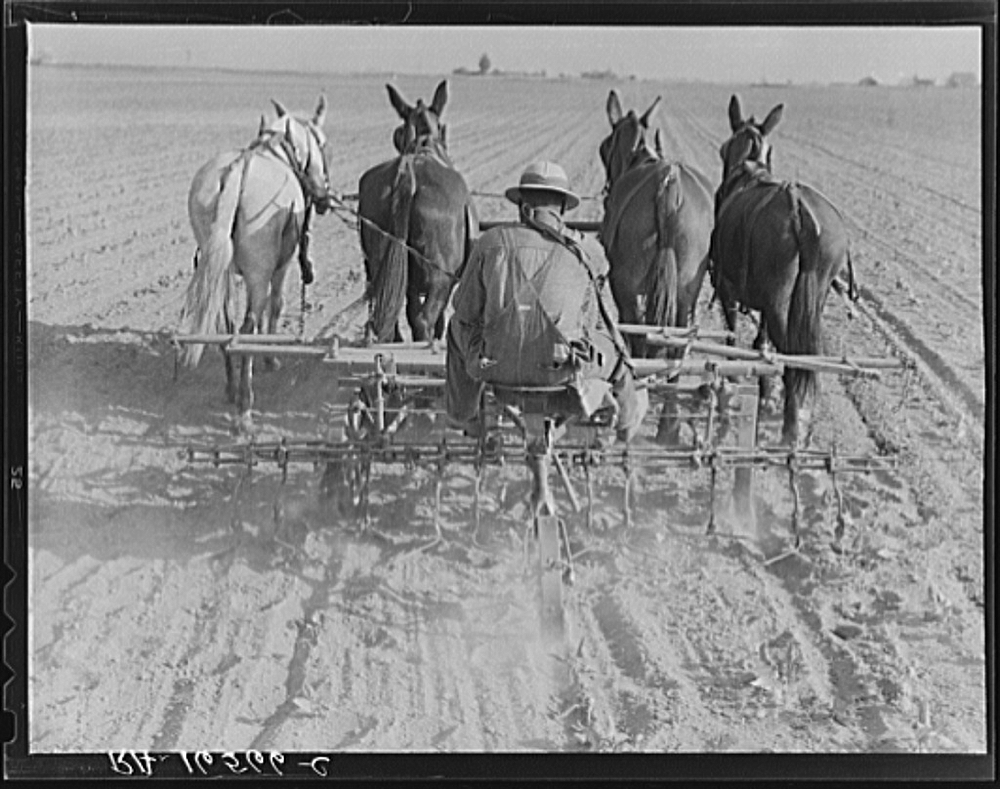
(544,177)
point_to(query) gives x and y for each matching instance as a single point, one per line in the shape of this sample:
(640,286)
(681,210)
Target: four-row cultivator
(398,384)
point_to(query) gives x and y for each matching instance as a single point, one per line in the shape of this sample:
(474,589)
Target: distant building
(962,79)
(919,82)
(868,82)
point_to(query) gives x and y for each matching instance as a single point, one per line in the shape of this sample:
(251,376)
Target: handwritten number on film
(142,763)
(132,762)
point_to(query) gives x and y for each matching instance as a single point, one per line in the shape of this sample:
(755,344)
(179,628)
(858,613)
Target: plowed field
(169,612)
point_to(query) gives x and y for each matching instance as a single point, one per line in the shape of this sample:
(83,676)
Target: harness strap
(609,227)
(581,255)
(266,139)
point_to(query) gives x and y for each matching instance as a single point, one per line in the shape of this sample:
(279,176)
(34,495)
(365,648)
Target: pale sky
(711,54)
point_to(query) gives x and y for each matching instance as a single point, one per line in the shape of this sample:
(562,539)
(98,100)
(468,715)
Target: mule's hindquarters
(782,264)
(415,239)
(246,211)
(272,210)
(658,258)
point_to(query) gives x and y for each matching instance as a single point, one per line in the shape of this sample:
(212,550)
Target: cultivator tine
(281,456)
(713,402)
(841,528)
(909,370)
(365,498)
(748,398)
(568,574)
(588,476)
(713,466)
(793,485)
(561,469)
(627,493)
(441,465)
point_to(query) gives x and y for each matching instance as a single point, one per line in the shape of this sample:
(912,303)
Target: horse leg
(416,311)
(232,389)
(244,402)
(628,307)
(256,302)
(276,303)
(768,400)
(433,309)
(668,430)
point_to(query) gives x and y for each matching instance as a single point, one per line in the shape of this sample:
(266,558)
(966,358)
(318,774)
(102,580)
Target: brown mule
(656,229)
(417,224)
(776,248)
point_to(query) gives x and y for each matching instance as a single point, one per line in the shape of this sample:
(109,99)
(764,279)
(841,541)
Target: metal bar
(247,349)
(838,364)
(674,331)
(673,367)
(257,339)
(583,225)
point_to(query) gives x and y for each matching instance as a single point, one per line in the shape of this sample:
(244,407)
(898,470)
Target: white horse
(249,210)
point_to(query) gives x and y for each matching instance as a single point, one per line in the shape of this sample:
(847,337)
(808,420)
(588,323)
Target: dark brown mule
(776,248)
(656,229)
(417,224)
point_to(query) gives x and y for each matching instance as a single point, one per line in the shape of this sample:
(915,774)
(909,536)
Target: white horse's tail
(208,304)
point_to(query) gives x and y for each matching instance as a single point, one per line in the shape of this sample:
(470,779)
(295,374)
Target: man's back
(510,255)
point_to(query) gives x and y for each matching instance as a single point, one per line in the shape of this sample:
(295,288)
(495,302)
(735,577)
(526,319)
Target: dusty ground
(166,616)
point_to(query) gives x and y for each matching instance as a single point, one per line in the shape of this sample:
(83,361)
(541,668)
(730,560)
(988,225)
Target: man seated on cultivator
(530,310)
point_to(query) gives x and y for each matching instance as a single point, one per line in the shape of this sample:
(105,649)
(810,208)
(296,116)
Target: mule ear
(440,98)
(614,108)
(262,126)
(735,113)
(772,120)
(403,109)
(658,142)
(282,112)
(644,120)
(320,117)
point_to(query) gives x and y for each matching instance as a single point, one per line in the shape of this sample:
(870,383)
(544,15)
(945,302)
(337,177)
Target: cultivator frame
(392,379)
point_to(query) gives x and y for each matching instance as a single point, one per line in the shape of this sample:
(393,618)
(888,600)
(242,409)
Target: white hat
(544,177)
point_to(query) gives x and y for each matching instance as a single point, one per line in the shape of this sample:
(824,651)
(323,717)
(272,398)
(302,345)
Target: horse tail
(662,285)
(804,330)
(388,286)
(661,294)
(210,300)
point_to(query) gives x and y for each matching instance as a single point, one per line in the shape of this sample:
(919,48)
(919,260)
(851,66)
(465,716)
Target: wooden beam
(583,225)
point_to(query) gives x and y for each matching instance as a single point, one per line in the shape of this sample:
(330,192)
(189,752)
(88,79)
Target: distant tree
(484,64)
